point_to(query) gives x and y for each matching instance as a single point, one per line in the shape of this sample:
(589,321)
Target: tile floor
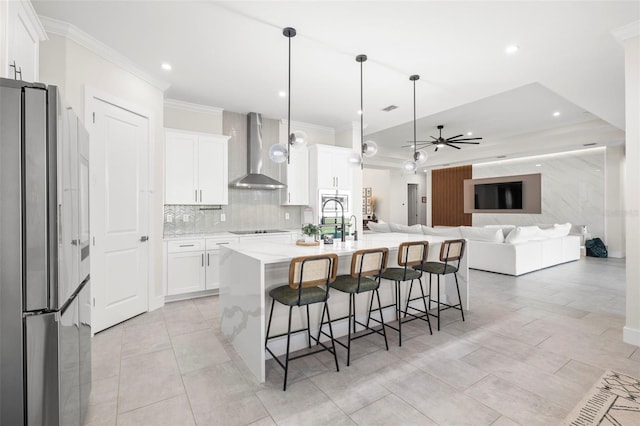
(530,349)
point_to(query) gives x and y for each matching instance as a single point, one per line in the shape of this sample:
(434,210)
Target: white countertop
(225,234)
(276,252)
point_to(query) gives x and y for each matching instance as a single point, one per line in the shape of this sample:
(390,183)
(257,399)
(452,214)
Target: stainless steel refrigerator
(45,302)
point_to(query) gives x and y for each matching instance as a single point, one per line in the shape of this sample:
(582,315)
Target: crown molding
(187,106)
(32,16)
(73,33)
(309,126)
(626,32)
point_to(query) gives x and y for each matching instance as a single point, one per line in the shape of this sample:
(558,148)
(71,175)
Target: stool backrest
(310,271)
(413,253)
(452,250)
(369,262)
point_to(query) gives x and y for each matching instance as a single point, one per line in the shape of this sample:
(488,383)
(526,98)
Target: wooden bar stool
(366,267)
(451,251)
(306,275)
(410,254)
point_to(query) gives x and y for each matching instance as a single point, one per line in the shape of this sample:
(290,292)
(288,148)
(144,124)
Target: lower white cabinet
(192,265)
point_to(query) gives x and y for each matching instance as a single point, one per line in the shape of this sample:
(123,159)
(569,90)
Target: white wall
(614,218)
(572,189)
(73,67)
(398,196)
(379,180)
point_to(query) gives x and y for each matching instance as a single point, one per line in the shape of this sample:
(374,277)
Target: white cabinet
(19,45)
(196,168)
(212,281)
(330,168)
(185,266)
(297,179)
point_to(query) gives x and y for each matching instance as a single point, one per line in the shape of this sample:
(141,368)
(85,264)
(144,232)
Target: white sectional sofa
(505,249)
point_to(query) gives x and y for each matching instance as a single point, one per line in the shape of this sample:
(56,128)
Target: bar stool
(451,251)
(410,254)
(306,274)
(366,267)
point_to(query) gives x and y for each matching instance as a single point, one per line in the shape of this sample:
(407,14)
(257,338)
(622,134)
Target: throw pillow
(506,229)
(378,227)
(446,232)
(492,235)
(413,229)
(523,234)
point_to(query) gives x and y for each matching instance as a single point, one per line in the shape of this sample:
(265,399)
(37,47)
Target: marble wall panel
(572,189)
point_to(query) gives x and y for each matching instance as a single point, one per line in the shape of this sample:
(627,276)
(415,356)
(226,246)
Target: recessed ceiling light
(538,165)
(469,133)
(166,66)
(282,94)
(597,170)
(556,114)
(511,49)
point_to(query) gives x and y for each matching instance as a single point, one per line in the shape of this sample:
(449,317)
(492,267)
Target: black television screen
(498,196)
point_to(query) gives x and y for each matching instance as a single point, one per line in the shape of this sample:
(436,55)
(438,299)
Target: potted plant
(310,232)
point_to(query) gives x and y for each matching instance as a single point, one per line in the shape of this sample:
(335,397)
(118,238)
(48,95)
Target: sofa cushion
(453,232)
(378,227)
(492,235)
(505,228)
(557,230)
(523,234)
(413,229)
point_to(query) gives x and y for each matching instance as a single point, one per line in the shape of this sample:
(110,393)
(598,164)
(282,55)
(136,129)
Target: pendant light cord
(414,119)
(289,108)
(361,119)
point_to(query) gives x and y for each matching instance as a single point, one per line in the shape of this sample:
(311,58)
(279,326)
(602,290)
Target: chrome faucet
(342,236)
(355,225)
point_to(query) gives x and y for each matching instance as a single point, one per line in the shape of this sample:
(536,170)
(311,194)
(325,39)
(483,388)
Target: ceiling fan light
(297,138)
(354,159)
(369,148)
(278,153)
(409,166)
(440,145)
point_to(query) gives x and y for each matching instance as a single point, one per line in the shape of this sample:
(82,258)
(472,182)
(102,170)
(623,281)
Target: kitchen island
(248,271)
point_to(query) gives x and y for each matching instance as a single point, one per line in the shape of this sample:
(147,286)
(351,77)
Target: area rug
(613,400)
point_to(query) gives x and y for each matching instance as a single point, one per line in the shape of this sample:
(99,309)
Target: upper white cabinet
(20,36)
(196,168)
(330,168)
(297,179)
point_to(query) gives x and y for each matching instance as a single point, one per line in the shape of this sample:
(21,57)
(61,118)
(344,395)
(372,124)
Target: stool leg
(333,344)
(398,313)
(266,339)
(406,308)
(368,316)
(321,324)
(384,332)
(424,301)
(286,360)
(349,327)
(430,290)
(438,301)
(459,298)
(308,328)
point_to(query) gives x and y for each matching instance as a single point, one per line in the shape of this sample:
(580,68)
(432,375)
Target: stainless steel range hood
(255,179)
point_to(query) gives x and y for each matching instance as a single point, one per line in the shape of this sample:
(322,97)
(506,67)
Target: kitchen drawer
(185,245)
(215,243)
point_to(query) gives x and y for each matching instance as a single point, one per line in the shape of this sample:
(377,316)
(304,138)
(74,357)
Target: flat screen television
(498,196)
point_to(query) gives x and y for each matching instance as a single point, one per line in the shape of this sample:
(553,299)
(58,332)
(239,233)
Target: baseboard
(631,336)
(616,254)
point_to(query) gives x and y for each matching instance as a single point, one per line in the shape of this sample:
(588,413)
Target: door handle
(201,195)
(208,260)
(196,195)
(202,259)
(144,238)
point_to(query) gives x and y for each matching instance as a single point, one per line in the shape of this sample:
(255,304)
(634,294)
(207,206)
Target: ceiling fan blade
(436,148)
(470,143)
(464,139)
(435,139)
(453,137)
(452,146)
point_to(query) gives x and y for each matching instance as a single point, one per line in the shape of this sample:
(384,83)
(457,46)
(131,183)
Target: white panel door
(181,182)
(119,214)
(212,170)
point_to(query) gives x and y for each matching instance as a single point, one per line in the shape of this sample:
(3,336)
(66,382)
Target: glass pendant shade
(354,159)
(369,148)
(409,166)
(278,153)
(420,157)
(298,138)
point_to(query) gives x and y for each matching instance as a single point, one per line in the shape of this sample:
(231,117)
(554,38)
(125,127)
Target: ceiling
(233,55)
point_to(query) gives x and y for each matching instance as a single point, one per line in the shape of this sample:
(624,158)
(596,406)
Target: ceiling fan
(440,142)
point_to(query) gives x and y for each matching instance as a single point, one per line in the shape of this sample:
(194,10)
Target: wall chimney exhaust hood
(255,179)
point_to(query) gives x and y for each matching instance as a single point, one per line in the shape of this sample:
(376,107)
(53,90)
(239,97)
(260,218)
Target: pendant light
(367,148)
(418,157)
(279,153)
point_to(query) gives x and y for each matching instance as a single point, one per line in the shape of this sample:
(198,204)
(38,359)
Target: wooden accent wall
(447,189)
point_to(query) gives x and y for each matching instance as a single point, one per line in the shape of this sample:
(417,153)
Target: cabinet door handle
(196,195)
(289,197)
(201,195)
(202,259)
(221,243)
(208,260)
(337,182)
(187,245)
